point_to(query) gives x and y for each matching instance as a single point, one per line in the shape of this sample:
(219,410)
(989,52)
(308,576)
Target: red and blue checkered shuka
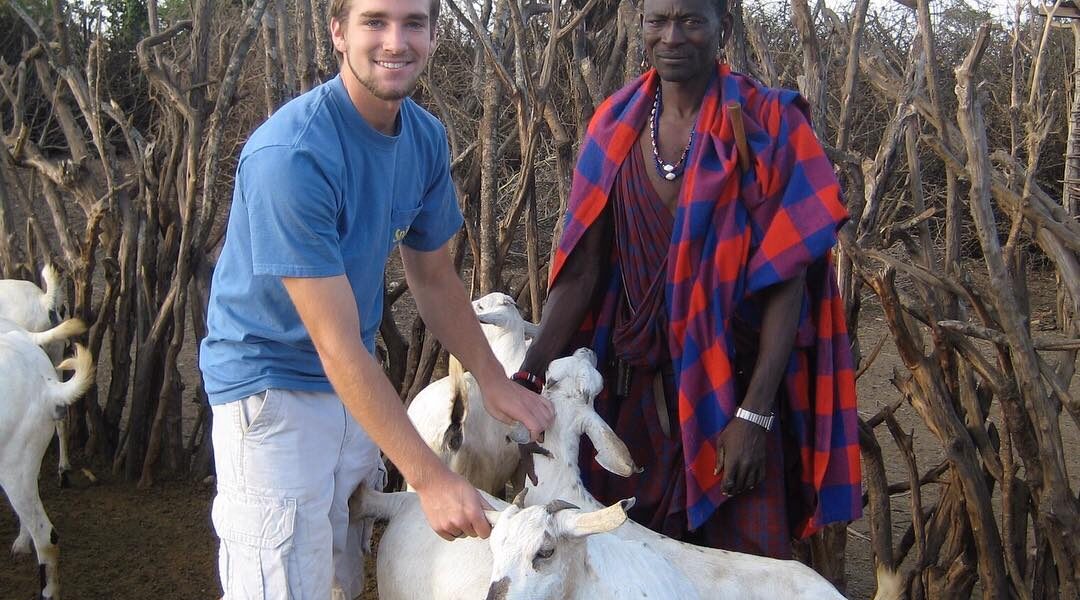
(735,234)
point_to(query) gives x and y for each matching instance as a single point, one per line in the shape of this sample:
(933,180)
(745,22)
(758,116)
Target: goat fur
(449,413)
(33,399)
(413,562)
(24,305)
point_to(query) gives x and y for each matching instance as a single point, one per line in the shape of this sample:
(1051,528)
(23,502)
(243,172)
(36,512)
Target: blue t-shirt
(318,193)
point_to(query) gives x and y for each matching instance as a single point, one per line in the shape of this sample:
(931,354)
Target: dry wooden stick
(879,514)
(918,522)
(739,129)
(929,396)
(873,356)
(1056,492)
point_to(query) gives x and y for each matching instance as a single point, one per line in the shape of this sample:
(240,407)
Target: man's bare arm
(779,320)
(569,299)
(445,308)
(741,446)
(328,310)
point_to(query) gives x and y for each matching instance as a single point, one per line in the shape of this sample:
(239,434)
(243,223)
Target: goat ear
(589,383)
(496,318)
(611,452)
(598,521)
(531,330)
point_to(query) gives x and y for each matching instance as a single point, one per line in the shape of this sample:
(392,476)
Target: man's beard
(382,94)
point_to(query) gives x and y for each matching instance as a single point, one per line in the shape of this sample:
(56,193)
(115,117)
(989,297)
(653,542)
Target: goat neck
(507,344)
(558,475)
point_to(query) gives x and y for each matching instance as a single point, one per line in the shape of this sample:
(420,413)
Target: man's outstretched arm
(328,309)
(446,310)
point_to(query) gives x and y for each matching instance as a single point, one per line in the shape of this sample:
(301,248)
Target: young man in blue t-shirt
(324,191)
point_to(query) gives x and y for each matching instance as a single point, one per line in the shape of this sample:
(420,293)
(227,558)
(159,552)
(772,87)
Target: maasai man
(707,290)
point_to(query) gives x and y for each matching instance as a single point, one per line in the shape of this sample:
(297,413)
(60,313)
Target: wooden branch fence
(953,199)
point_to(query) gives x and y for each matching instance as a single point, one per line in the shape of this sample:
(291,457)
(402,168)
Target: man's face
(682,37)
(386,44)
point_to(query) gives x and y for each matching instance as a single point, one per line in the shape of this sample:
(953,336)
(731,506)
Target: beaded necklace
(666,170)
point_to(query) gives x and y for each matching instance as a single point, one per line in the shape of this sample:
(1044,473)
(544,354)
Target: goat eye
(545,553)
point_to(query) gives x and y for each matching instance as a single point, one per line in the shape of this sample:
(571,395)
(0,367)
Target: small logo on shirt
(399,234)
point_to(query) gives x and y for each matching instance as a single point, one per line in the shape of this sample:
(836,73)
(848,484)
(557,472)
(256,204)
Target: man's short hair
(339,9)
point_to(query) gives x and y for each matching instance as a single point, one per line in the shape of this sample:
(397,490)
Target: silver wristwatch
(765,422)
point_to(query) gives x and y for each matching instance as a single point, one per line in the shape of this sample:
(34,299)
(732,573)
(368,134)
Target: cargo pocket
(256,545)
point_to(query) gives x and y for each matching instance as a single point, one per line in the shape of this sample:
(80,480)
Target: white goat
(50,338)
(27,306)
(34,398)
(450,415)
(413,562)
(571,386)
(557,552)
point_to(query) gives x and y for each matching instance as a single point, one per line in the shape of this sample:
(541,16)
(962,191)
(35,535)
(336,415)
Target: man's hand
(328,309)
(740,456)
(509,402)
(445,308)
(452,506)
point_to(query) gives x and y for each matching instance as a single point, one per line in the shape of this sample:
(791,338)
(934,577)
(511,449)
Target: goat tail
(67,392)
(457,378)
(459,405)
(367,503)
(63,331)
(890,584)
(51,278)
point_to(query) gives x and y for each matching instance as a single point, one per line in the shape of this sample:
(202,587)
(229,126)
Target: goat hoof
(65,480)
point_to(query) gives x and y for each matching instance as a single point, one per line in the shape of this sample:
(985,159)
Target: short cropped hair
(721,7)
(339,9)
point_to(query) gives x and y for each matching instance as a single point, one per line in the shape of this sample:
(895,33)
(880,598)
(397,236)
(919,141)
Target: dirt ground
(119,542)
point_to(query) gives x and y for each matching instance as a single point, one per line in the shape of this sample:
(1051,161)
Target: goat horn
(556,505)
(519,500)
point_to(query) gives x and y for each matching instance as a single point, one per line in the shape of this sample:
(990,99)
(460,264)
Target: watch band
(763,421)
(528,380)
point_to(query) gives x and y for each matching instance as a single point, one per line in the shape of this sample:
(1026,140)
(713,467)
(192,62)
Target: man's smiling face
(386,44)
